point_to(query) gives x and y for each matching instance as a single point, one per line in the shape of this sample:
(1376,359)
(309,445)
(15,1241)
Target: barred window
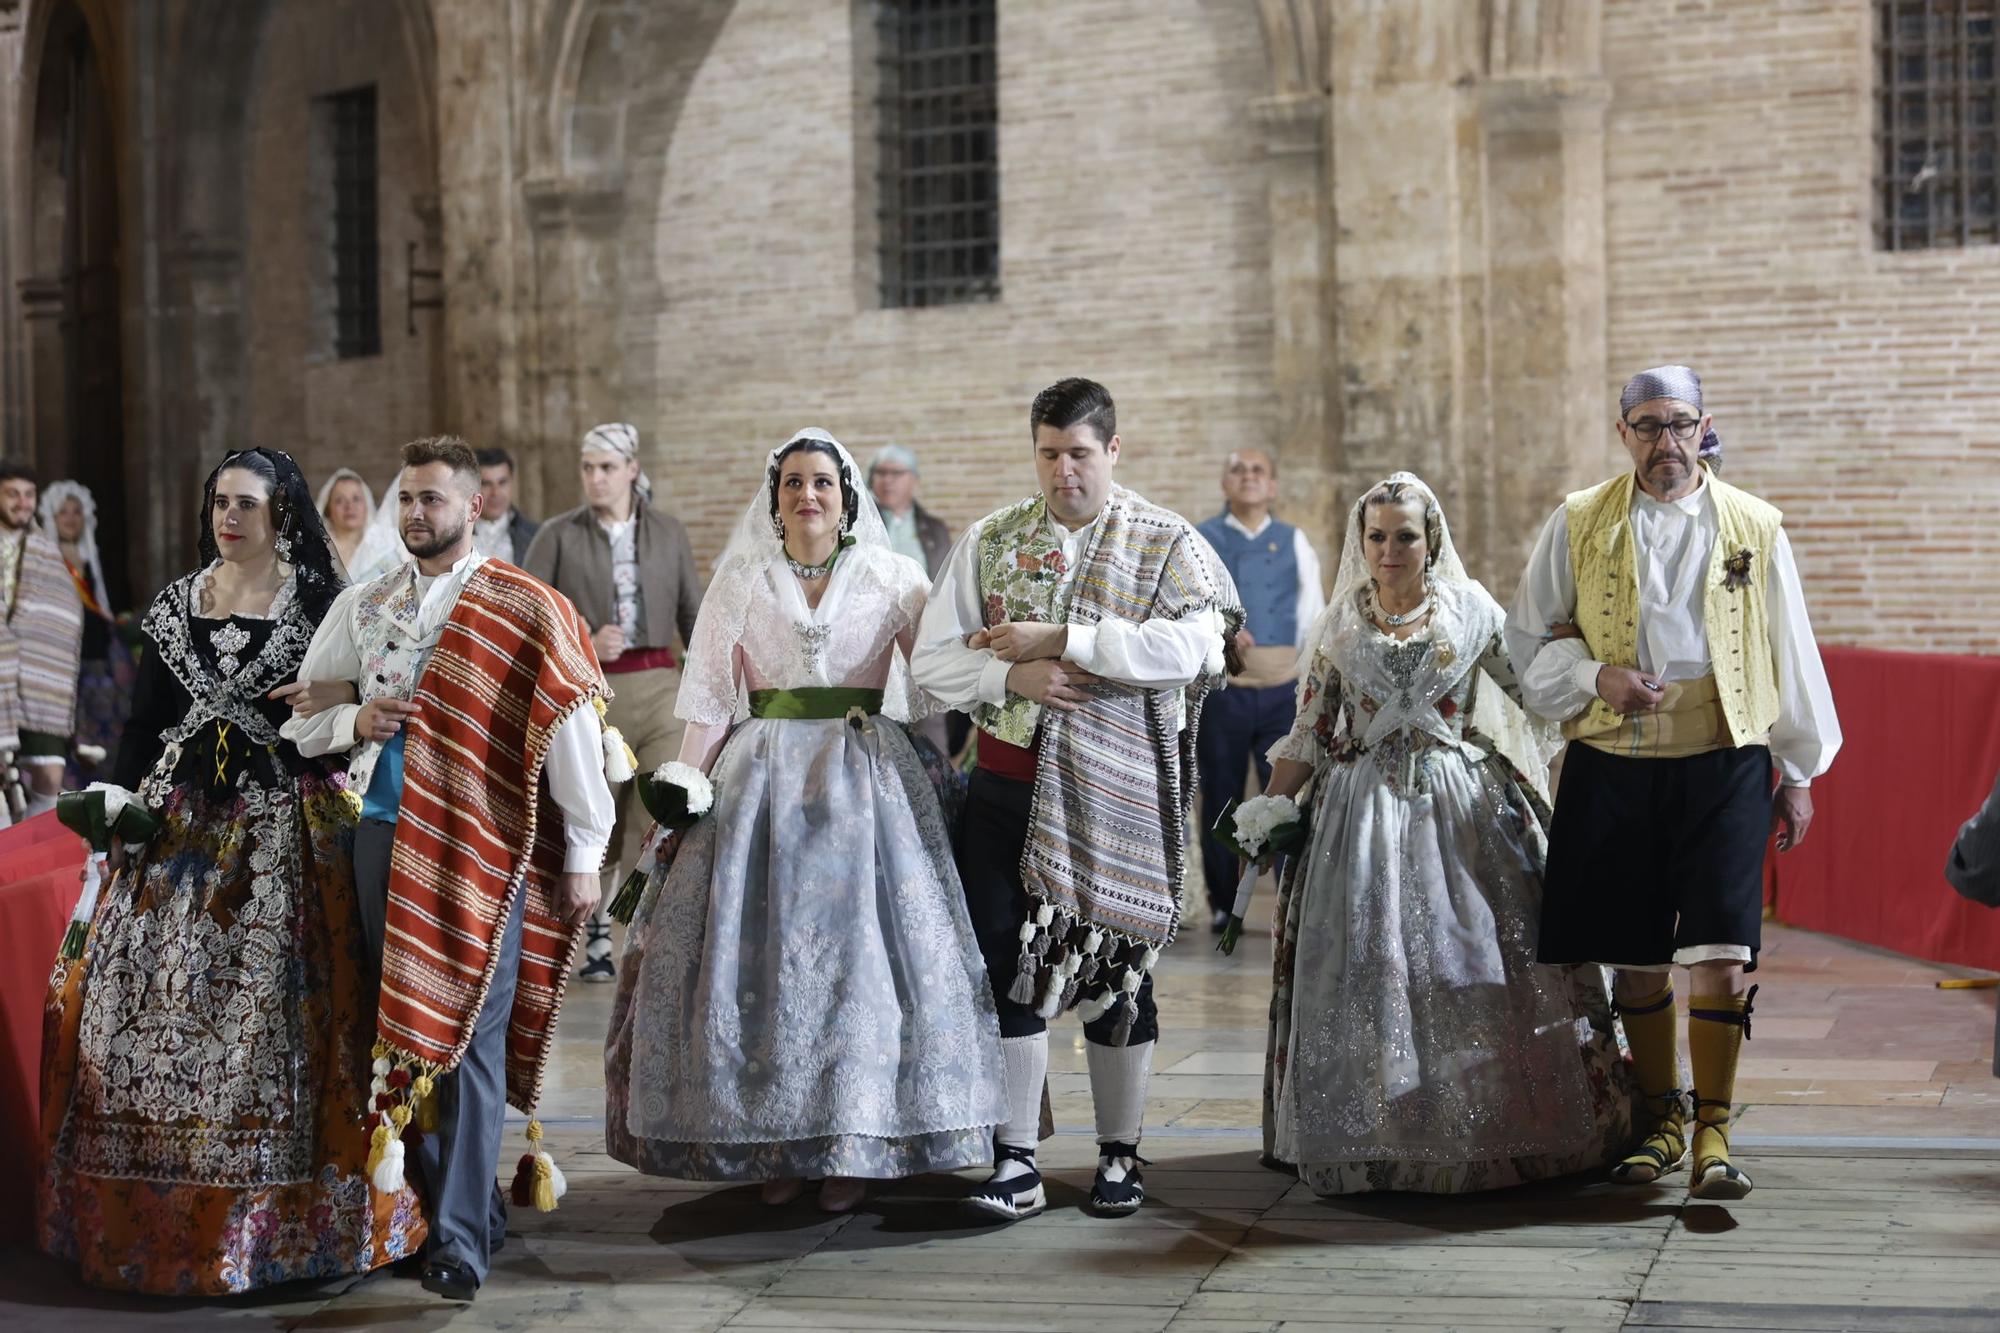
(1936,183)
(357,305)
(939,152)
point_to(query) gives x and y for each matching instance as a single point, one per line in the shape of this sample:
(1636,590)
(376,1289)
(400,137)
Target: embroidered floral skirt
(801,992)
(1415,1042)
(206,1063)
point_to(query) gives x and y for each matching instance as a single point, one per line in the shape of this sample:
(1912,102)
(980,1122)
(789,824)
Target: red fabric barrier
(1922,746)
(42,828)
(34,911)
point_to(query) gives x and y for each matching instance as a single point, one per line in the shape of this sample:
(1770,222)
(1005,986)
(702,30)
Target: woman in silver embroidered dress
(205,1060)
(802,995)
(1415,1042)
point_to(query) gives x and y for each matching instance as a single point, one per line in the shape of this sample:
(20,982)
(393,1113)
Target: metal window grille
(1936,182)
(357,306)
(940,152)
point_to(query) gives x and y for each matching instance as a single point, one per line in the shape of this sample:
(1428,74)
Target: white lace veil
(54,498)
(381,546)
(1528,741)
(1353,577)
(754,543)
(755,536)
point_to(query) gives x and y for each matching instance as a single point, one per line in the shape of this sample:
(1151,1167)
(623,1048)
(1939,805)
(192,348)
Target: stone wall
(1133,250)
(1853,387)
(325,410)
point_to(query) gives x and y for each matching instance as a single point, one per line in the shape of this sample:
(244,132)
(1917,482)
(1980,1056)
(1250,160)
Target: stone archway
(71,287)
(613,79)
(218,58)
(1438,254)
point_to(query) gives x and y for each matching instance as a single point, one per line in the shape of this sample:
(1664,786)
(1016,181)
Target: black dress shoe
(453,1281)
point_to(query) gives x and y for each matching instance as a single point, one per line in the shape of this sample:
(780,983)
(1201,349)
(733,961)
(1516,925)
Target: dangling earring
(778,526)
(284,548)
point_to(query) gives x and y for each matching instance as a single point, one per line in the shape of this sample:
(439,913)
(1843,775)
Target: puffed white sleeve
(1558,676)
(334,654)
(708,694)
(950,672)
(574,769)
(1806,735)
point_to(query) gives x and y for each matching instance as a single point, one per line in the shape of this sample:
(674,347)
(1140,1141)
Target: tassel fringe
(620,764)
(537,1180)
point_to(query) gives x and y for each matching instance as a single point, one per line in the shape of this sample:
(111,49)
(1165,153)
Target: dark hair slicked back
(453,452)
(12,471)
(495,458)
(1075,402)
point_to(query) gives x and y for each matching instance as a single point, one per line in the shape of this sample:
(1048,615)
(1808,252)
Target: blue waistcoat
(1266,570)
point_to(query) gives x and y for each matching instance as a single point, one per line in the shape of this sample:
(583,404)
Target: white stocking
(1027,1061)
(1118,1077)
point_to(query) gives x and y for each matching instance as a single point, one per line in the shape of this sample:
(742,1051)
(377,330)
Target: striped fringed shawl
(512,663)
(40,643)
(1107,834)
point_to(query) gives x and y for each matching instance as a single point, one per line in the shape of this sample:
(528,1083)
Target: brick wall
(1852,387)
(1134,222)
(325,411)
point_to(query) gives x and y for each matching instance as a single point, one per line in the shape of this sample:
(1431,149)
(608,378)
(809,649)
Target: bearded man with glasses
(1660,620)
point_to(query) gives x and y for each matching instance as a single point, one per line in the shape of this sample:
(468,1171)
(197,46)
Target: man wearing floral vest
(1081,629)
(1660,620)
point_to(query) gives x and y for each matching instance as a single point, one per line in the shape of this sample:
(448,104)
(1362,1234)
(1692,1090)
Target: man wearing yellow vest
(1660,620)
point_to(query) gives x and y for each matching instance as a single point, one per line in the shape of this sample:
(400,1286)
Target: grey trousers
(458,1164)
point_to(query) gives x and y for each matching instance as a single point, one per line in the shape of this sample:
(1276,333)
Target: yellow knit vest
(1606,566)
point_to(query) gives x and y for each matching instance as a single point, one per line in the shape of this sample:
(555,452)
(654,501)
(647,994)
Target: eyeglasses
(1648,429)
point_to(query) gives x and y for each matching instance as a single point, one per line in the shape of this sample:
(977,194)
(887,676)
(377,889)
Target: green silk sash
(818,703)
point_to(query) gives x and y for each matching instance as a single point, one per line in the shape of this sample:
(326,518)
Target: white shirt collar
(1229,518)
(458,567)
(1691,504)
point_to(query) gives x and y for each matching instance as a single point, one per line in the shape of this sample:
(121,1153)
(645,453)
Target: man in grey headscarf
(630,570)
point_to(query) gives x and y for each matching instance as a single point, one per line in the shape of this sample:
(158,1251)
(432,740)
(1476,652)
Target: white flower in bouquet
(1261,816)
(700,792)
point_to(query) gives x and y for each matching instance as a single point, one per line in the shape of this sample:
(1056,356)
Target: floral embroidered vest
(1021,569)
(1735,614)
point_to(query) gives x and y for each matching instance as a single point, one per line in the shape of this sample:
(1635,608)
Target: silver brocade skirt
(801,993)
(1416,1044)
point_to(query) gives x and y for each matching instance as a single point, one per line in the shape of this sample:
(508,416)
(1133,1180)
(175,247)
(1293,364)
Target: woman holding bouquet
(803,997)
(206,1049)
(1415,1042)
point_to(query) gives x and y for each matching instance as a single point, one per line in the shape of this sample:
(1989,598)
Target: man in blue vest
(1277,576)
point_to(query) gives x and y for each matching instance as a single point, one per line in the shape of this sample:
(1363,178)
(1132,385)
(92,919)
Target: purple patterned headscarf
(1679,383)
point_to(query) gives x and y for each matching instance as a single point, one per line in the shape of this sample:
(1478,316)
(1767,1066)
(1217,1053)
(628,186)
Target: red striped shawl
(512,663)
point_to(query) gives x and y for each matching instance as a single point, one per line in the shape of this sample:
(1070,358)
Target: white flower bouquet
(1259,828)
(676,795)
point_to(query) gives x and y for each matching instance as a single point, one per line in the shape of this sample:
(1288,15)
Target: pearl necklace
(1415,613)
(810,572)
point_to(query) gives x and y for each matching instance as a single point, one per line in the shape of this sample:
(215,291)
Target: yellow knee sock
(1717,1028)
(1651,1030)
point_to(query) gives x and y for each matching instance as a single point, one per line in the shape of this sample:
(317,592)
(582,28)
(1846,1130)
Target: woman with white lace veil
(802,996)
(365,535)
(1415,1042)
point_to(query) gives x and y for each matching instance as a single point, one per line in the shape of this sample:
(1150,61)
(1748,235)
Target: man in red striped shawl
(485,812)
